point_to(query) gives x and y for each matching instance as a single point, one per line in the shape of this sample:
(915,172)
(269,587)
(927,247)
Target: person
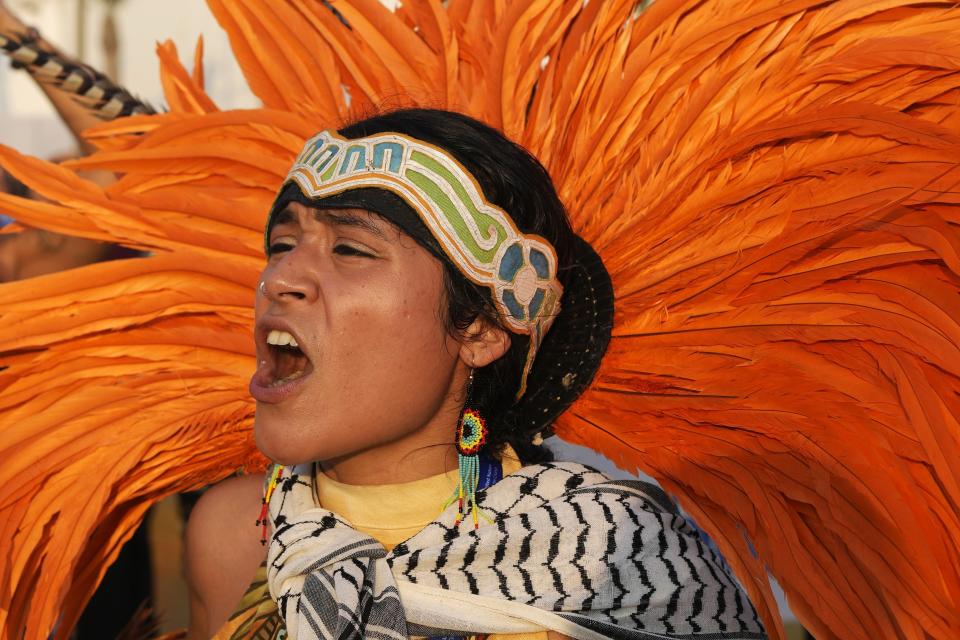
(27,253)
(769,187)
(375,339)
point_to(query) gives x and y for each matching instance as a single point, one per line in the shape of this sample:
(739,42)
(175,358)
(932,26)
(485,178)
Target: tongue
(289,364)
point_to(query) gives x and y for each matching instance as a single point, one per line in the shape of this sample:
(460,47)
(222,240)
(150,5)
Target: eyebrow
(338,218)
(342,218)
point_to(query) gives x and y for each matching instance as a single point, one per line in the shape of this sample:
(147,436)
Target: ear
(483,343)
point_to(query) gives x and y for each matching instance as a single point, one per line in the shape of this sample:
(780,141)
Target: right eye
(278,247)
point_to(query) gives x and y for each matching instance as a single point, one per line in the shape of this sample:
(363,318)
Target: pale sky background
(29,124)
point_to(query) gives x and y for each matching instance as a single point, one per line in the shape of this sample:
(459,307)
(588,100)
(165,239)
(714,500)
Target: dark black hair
(12,186)
(515,181)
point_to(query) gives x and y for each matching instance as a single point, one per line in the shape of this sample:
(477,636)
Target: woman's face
(373,362)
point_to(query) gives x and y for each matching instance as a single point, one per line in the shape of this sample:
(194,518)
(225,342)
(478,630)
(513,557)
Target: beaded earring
(272,480)
(471,436)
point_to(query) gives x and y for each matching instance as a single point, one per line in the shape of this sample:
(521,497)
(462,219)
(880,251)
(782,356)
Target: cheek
(397,341)
(408,318)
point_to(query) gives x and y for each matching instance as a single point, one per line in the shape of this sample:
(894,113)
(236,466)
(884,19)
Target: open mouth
(284,362)
(282,369)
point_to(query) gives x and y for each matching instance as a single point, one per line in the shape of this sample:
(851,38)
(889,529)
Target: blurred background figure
(25,253)
(117,37)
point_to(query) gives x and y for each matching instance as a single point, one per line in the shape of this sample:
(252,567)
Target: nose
(289,280)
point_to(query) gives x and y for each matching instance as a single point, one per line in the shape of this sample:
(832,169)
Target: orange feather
(184,92)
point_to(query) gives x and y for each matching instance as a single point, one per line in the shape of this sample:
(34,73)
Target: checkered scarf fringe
(569,550)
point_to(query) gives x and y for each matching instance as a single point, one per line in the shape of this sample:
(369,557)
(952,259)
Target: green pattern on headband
(478,237)
(462,199)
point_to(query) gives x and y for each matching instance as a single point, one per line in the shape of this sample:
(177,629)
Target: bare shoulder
(223,551)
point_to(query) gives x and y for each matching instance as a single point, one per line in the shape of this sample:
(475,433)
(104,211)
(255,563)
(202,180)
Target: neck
(419,454)
(405,460)
(426,452)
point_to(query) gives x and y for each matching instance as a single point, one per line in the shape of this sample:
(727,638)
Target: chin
(284,440)
(275,443)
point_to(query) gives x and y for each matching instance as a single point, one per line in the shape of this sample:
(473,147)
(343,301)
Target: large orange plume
(773,187)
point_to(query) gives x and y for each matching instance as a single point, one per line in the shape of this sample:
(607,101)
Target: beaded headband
(479,238)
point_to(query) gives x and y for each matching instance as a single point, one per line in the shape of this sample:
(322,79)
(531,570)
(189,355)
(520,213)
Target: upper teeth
(281,338)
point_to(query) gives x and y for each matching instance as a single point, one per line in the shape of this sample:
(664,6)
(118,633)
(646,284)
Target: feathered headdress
(772,186)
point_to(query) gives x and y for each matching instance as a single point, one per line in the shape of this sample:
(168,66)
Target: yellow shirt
(389,513)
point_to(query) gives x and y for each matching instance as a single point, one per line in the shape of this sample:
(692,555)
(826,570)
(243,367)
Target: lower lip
(263,391)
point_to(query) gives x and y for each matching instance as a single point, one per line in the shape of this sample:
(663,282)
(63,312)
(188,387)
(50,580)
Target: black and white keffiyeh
(569,550)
